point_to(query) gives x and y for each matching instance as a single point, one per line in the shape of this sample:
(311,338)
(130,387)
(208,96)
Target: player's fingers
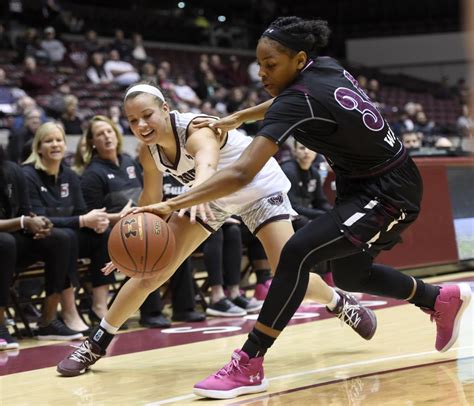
(181,213)
(108,268)
(132,210)
(202,122)
(203,213)
(210,213)
(193,214)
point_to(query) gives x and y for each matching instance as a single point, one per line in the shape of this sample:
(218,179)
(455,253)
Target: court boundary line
(319,370)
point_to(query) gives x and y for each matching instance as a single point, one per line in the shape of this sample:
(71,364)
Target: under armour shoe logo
(253,378)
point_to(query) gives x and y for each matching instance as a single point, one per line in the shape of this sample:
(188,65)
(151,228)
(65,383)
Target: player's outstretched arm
(152,179)
(236,119)
(230,179)
(204,145)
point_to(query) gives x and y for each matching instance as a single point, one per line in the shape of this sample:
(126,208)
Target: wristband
(22,222)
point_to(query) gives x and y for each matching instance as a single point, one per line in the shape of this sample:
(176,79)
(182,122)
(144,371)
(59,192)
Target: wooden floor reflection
(446,383)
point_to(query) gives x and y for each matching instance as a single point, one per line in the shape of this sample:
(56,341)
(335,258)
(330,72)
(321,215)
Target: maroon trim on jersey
(381,169)
(202,223)
(225,141)
(194,118)
(174,165)
(206,116)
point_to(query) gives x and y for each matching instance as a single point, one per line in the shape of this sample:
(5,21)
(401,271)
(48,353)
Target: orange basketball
(141,244)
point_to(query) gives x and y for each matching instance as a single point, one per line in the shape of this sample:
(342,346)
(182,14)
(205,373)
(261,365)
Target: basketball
(141,245)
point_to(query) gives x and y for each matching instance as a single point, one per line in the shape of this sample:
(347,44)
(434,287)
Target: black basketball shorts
(373,212)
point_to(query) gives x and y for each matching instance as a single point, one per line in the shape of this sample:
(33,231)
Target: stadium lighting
(181,4)
(221,19)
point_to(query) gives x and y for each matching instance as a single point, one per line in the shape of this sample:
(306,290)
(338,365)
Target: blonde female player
(192,155)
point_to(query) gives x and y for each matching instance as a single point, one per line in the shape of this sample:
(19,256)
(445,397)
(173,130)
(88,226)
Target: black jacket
(105,184)
(306,193)
(14,199)
(60,199)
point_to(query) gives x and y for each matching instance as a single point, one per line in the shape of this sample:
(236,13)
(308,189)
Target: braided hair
(314,32)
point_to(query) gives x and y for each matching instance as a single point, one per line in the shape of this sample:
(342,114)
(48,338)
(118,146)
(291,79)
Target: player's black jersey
(327,111)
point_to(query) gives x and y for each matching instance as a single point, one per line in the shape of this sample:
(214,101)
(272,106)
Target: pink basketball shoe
(261,290)
(241,376)
(450,304)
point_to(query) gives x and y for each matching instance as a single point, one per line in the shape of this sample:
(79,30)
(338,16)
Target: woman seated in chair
(25,239)
(55,193)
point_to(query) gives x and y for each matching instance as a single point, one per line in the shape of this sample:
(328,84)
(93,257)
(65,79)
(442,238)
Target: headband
(145,89)
(288,40)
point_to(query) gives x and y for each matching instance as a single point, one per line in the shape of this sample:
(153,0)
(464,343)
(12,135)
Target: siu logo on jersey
(64,190)
(131,172)
(276,200)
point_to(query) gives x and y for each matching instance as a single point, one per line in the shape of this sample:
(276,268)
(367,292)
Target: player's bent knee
(150,284)
(292,254)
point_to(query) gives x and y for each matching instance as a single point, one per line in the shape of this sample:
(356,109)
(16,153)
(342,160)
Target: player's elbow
(243,176)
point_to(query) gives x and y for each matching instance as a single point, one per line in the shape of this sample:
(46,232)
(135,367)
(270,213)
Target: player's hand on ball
(160,209)
(108,268)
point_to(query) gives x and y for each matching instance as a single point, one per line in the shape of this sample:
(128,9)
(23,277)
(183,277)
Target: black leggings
(86,243)
(182,293)
(353,270)
(223,255)
(18,250)
(255,251)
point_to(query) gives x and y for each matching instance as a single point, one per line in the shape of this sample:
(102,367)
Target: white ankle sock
(107,327)
(335,299)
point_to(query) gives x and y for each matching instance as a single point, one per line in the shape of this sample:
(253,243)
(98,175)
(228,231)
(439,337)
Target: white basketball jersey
(269,180)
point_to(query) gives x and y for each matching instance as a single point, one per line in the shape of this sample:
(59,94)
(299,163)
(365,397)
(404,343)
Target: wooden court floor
(316,361)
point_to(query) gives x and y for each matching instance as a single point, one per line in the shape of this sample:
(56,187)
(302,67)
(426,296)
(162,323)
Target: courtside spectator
(53,47)
(465,127)
(148,71)
(123,72)
(24,240)
(121,45)
(34,81)
(71,119)
(8,95)
(91,43)
(96,72)
(19,137)
(138,52)
(411,140)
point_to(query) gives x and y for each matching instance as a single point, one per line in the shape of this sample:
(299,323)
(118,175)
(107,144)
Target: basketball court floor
(316,361)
